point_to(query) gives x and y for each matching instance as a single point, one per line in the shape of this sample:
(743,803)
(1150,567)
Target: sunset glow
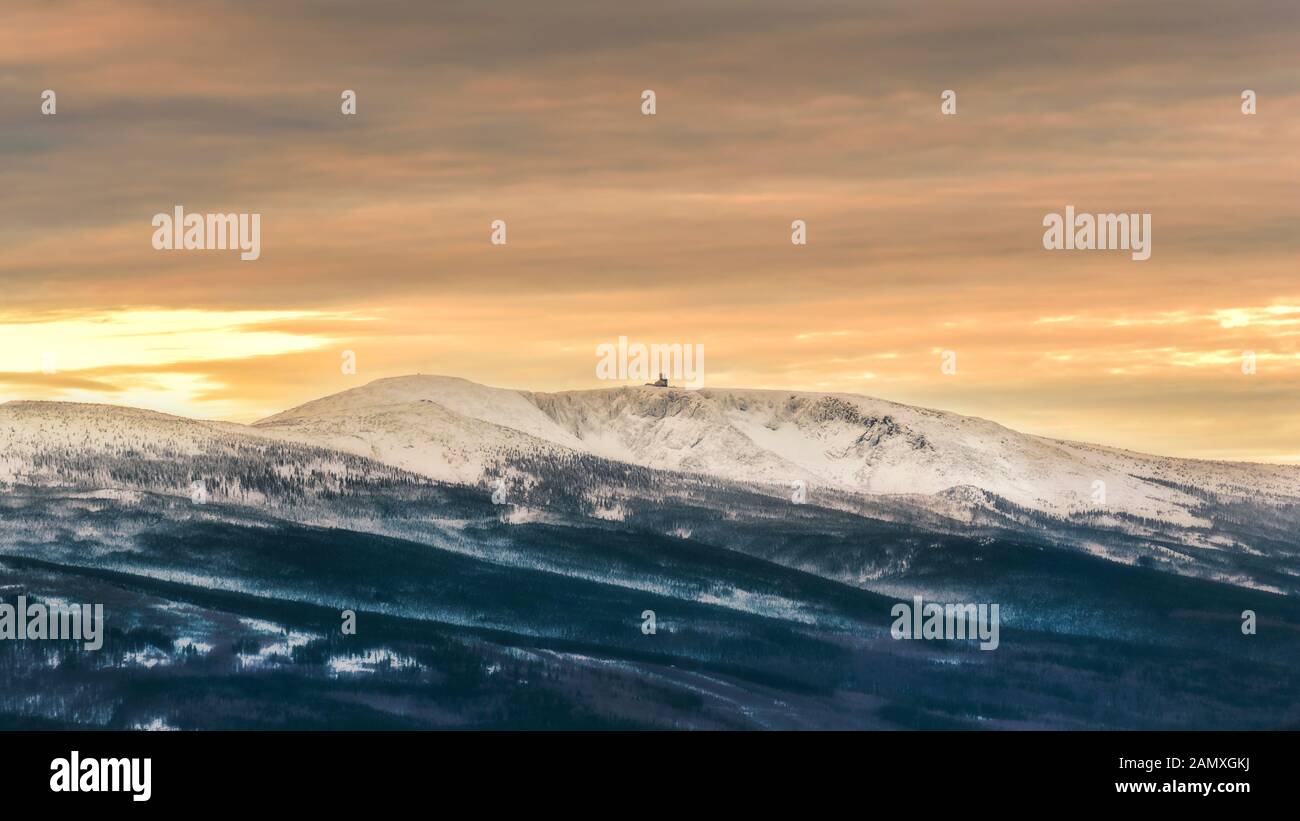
(925,233)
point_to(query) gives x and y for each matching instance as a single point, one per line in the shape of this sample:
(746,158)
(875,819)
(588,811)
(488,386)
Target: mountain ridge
(849,442)
(720,465)
(453,429)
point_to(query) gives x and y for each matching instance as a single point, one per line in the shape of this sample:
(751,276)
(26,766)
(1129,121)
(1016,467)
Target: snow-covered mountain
(110,448)
(881,478)
(500,541)
(454,430)
(448,429)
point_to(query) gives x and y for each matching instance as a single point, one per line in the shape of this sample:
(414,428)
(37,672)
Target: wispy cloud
(924,232)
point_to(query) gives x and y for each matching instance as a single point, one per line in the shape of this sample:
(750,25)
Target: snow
(454,430)
(497,406)
(371,661)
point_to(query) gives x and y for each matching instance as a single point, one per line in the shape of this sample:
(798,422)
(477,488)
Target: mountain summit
(453,429)
(680,462)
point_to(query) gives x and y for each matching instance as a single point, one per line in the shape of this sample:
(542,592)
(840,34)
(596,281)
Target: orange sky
(925,231)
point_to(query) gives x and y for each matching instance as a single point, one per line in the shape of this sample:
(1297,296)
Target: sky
(924,230)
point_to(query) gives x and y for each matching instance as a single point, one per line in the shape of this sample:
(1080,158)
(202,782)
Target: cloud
(924,231)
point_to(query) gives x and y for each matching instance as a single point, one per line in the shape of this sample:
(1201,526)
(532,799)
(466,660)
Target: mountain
(1188,515)
(501,550)
(647,457)
(110,448)
(451,428)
